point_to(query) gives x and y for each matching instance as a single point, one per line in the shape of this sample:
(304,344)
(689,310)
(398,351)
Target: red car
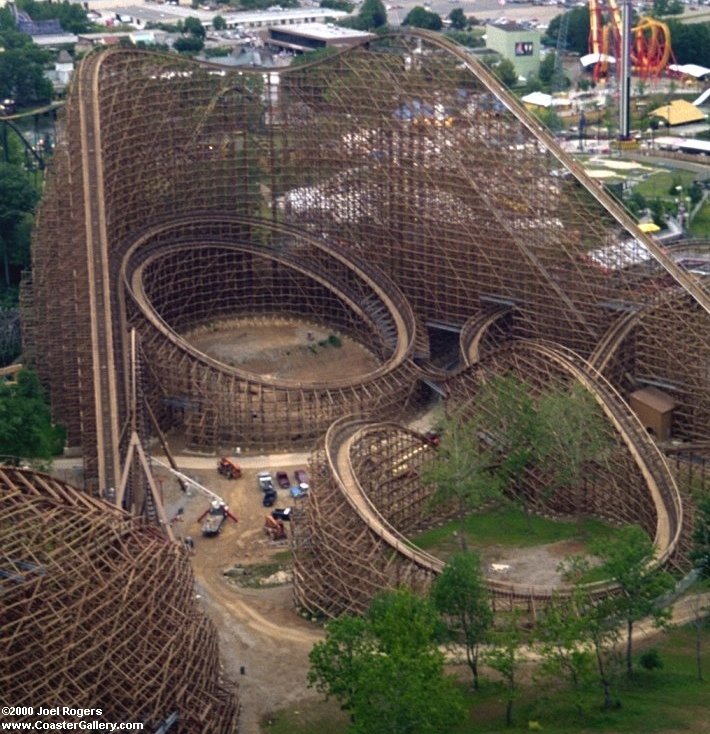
(301,476)
(282,480)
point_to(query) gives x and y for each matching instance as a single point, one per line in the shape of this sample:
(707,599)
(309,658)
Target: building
(517,43)
(140,15)
(310,36)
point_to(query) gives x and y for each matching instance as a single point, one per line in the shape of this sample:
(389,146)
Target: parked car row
(266,485)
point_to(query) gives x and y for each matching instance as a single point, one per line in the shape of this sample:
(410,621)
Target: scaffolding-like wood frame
(99,612)
(404,155)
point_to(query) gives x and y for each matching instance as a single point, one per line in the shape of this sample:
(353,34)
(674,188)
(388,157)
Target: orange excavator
(274,528)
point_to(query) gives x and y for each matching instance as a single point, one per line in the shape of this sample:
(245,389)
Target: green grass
(658,184)
(507,526)
(307,717)
(666,701)
(700,226)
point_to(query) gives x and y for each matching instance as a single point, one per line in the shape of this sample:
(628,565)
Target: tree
(577,30)
(514,429)
(700,551)
(460,595)
(386,669)
(662,8)
(598,622)
(26,429)
(504,656)
(561,634)
(463,468)
(219,23)
(419,17)
(625,560)
(189,44)
(22,76)
(547,68)
(71,16)
(193,27)
(690,41)
(372,15)
(466,38)
(337,5)
(17,199)
(505,71)
(458,19)
(574,433)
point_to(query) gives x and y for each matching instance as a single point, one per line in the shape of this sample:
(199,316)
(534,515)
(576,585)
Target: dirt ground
(283,349)
(536,566)
(259,629)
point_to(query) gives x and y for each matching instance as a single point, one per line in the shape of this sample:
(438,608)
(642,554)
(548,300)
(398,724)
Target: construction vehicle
(214,517)
(274,528)
(229,469)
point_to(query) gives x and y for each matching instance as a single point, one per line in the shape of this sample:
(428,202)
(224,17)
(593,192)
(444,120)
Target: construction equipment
(214,518)
(229,469)
(274,528)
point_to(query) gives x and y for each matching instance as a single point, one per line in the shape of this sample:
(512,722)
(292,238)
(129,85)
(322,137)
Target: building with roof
(517,43)
(140,15)
(310,36)
(678,112)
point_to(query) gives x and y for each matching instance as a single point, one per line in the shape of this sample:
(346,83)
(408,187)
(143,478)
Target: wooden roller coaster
(392,190)
(99,612)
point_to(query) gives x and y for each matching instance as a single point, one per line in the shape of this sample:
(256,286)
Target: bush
(651,660)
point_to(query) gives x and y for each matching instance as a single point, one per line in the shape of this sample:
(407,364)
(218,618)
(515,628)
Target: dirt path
(259,629)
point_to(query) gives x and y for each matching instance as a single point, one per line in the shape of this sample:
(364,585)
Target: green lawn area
(507,526)
(666,701)
(658,184)
(700,226)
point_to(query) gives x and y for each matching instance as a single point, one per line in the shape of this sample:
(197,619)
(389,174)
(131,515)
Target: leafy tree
(372,15)
(599,622)
(193,26)
(658,211)
(577,30)
(463,468)
(460,595)
(22,76)
(219,23)
(419,17)
(662,8)
(505,71)
(504,656)
(17,199)
(337,5)
(458,19)
(573,433)
(700,552)
(71,16)
(514,428)
(386,669)
(189,44)
(625,560)
(465,38)
(549,118)
(561,634)
(691,42)
(547,68)
(26,429)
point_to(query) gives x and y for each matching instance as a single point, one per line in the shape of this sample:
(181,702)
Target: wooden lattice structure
(371,497)
(98,610)
(392,189)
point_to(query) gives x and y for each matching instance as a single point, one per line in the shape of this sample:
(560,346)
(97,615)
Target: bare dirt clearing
(259,629)
(284,349)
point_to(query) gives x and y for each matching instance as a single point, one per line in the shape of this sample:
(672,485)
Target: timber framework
(394,192)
